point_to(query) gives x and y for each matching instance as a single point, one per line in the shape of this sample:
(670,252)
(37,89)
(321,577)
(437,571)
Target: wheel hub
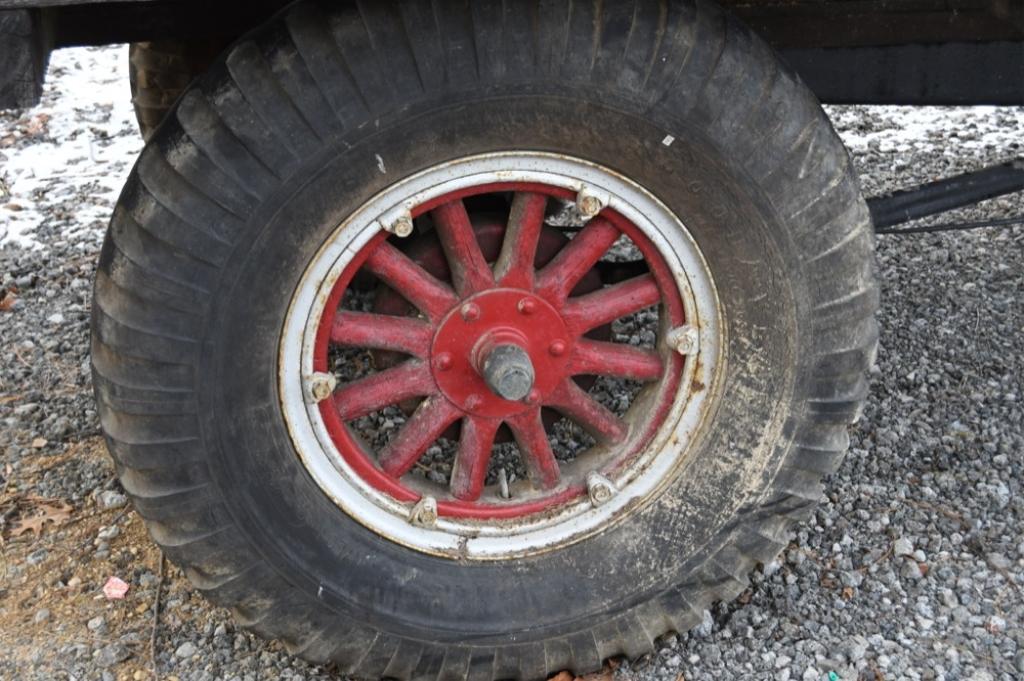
(473,365)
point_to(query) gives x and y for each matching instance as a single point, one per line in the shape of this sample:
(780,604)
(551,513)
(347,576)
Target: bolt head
(444,361)
(589,203)
(424,513)
(470,312)
(321,386)
(527,306)
(590,206)
(599,488)
(402,226)
(684,339)
(557,348)
(532,398)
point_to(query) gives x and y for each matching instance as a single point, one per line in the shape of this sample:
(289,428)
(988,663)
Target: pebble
(112,654)
(706,625)
(108,499)
(903,547)
(185,650)
(37,557)
(108,533)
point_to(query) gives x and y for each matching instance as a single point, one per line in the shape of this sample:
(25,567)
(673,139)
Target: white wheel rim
(474,539)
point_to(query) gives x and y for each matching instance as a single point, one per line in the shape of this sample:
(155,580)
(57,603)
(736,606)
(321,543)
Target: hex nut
(321,386)
(424,513)
(599,488)
(402,226)
(683,339)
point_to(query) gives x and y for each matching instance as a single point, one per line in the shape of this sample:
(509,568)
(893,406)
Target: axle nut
(508,372)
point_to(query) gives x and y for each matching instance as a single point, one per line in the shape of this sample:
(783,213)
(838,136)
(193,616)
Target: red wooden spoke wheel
(494,345)
(483,329)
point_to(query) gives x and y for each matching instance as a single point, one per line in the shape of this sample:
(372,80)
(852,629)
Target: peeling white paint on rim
(467,538)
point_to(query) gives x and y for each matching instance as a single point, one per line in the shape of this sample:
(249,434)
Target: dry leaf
(47,511)
(847,593)
(39,443)
(7,300)
(37,125)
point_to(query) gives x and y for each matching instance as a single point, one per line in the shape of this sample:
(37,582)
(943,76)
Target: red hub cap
(472,332)
(499,341)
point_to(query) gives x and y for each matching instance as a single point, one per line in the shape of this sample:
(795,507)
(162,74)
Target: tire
(159,72)
(326,107)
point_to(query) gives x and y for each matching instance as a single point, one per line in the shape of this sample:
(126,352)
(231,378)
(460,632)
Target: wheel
(159,72)
(479,340)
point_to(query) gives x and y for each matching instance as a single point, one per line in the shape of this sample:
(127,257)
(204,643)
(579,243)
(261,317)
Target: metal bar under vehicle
(946,194)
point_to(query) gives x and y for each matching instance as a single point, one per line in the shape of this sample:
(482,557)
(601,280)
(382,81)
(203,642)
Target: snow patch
(64,162)
(946,129)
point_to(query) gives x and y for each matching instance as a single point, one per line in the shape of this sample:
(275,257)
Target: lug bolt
(402,226)
(589,203)
(321,386)
(443,361)
(527,306)
(424,513)
(470,312)
(557,348)
(532,398)
(684,339)
(599,488)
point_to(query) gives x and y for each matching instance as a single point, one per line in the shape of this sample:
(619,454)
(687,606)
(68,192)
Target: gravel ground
(912,567)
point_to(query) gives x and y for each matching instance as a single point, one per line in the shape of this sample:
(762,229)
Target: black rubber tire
(159,72)
(304,120)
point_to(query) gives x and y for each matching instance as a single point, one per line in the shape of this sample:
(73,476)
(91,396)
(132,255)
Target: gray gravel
(911,568)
